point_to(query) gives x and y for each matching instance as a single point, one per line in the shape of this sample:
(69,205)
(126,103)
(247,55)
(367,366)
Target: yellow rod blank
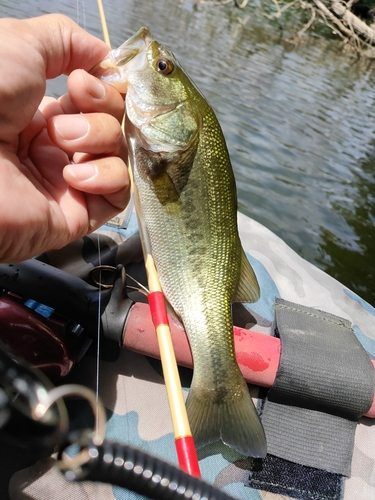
(104,23)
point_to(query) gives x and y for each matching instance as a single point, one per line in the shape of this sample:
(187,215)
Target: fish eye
(164,66)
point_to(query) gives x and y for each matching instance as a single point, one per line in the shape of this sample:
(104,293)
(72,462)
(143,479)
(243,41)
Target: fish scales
(187,193)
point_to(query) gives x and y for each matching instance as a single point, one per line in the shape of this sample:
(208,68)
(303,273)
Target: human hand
(45,200)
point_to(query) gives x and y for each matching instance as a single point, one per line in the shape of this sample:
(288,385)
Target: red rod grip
(258,355)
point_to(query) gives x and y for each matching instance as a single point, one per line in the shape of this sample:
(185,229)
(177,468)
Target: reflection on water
(298,120)
(356,253)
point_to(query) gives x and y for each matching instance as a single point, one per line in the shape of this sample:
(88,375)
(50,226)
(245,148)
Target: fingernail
(94,86)
(82,172)
(70,127)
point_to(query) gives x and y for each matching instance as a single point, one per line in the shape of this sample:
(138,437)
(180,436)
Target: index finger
(87,94)
(64,45)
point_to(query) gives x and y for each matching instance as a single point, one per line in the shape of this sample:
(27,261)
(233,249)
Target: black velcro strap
(297,481)
(325,382)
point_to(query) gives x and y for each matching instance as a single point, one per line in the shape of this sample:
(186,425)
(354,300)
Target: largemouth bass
(187,193)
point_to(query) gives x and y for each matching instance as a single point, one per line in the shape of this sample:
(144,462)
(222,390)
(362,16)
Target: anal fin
(248,288)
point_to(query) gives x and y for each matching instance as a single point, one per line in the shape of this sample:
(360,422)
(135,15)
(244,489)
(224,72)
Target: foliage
(351,20)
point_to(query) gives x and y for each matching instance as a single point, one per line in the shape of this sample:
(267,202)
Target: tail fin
(233,419)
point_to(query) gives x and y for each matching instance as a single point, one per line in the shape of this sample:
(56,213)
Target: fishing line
(79,9)
(81,6)
(107,41)
(98,328)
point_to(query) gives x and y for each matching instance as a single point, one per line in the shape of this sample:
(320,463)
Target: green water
(299,120)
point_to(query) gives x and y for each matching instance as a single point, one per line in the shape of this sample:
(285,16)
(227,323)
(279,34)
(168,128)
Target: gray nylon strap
(325,382)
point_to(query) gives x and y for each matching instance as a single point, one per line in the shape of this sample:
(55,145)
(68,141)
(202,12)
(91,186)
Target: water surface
(299,120)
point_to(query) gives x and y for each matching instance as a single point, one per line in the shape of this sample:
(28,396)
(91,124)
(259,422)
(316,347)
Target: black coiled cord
(124,466)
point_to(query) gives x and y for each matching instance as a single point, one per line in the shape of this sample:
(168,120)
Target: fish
(187,193)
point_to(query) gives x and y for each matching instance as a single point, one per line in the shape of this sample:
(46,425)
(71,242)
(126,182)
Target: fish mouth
(114,68)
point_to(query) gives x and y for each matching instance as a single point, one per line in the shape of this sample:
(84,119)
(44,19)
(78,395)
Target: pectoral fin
(248,288)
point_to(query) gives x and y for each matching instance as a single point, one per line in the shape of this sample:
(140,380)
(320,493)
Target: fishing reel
(48,320)
(50,317)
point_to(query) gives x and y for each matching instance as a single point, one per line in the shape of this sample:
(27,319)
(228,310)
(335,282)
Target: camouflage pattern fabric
(132,388)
